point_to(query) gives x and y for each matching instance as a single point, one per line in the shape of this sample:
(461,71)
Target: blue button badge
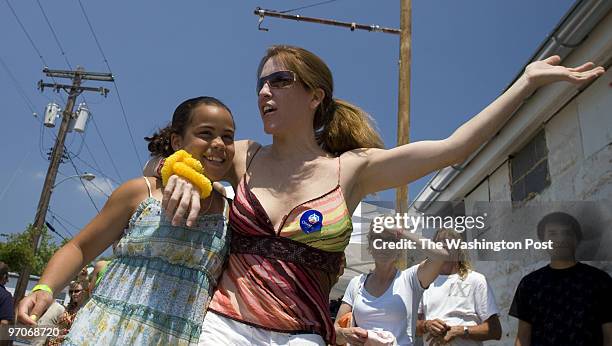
(311,221)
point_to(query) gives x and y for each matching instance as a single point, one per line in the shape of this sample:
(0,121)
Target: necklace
(209,204)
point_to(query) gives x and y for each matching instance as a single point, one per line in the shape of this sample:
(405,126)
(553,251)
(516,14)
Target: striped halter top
(281,281)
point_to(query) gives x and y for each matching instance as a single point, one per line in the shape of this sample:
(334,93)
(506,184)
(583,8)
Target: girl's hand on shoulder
(180,196)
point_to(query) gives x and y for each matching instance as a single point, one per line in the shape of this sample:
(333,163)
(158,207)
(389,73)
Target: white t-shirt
(459,302)
(393,310)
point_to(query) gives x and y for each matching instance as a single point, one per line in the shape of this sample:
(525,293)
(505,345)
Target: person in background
(459,307)
(6,299)
(387,298)
(566,302)
(99,270)
(334,305)
(49,318)
(297,194)
(97,274)
(83,274)
(156,291)
(77,291)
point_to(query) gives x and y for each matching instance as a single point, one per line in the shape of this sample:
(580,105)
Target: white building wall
(579,145)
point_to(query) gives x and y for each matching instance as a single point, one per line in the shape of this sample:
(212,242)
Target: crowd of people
(56,316)
(565,302)
(192,267)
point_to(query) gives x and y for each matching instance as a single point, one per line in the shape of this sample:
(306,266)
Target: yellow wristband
(42,287)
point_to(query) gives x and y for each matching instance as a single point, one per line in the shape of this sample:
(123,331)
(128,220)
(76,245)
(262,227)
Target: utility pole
(73,91)
(405,32)
(403,109)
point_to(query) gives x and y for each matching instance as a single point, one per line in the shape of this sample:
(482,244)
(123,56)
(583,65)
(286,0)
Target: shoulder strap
(252,157)
(148,186)
(227,202)
(338,170)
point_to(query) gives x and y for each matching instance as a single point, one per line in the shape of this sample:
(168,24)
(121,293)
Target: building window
(529,169)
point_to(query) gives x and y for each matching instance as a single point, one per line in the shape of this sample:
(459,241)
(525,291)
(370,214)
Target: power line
(52,229)
(127,124)
(93,120)
(40,56)
(57,217)
(14,175)
(55,214)
(94,35)
(26,33)
(92,157)
(63,52)
(54,34)
(63,226)
(308,6)
(96,170)
(82,143)
(45,63)
(57,41)
(99,188)
(40,141)
(76,170)
(18,87)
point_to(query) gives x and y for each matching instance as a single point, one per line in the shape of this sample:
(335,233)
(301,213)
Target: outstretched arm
(429,269)
(384,169)
(98,235)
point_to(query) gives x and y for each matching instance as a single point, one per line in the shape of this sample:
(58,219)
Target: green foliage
(17,251)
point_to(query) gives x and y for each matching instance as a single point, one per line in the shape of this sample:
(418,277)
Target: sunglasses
(74,291)
(277,80)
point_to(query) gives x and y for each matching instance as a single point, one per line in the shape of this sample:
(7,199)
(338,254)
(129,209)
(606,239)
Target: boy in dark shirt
(565,302)
(6,299)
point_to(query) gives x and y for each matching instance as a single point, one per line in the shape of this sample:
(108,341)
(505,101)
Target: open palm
(547,71)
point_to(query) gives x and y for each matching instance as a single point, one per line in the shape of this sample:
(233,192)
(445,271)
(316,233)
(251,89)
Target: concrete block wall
(579,142)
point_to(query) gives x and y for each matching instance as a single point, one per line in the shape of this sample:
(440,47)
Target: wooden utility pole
(403,109)
(405,32)
(74,91)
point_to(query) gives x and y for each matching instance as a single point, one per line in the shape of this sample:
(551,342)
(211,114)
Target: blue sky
(162,52)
